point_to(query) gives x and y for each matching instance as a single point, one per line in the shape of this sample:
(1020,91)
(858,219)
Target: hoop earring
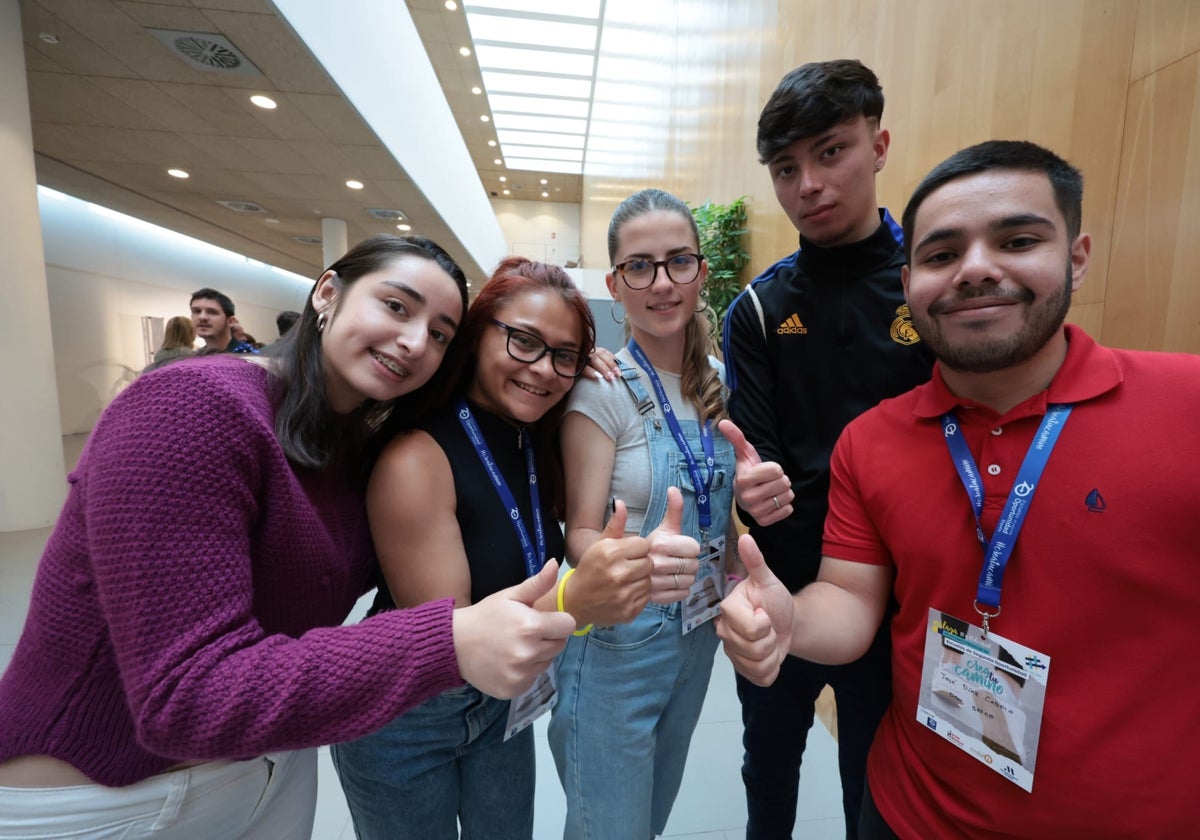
(322,318)
(612,313)
(703,300)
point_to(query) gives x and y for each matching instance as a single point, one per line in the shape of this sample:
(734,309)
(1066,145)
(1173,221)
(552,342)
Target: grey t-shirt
(610,406)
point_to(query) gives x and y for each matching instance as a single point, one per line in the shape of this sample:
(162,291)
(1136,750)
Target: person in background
(815,340)
(213,316)
(285,320)
(480,487)
(631,693)
(182,655)
(239,334)
(1041,628)
(179,339)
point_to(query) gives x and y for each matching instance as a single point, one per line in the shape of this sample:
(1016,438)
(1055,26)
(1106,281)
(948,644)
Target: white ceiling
(113,108)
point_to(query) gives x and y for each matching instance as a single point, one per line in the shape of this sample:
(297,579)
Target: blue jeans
(629,700)
(438,766)
(777,720)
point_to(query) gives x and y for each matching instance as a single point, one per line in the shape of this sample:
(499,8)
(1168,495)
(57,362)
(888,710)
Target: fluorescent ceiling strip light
(491,57)
(503,103)
(556,8)
(526,152)
(540,33)
(538,84)
(540,138)
(543,165)
(523,122)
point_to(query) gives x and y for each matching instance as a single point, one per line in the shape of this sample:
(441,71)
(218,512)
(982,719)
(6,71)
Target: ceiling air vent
(386,215)
(206,51)
(307,240)
(243,206)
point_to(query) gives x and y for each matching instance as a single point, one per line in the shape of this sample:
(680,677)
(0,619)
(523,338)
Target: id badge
(703,602)
(984,696)
(539,699)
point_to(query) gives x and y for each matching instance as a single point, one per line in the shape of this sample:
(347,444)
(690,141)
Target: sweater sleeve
(174,476)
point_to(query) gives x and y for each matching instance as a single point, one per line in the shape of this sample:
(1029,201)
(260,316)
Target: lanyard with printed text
(998,550)
(535,556)
(702,487)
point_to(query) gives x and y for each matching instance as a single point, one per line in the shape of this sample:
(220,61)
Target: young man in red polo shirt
(1032,510)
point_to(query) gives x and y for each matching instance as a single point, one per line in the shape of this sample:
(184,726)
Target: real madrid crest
(903,331)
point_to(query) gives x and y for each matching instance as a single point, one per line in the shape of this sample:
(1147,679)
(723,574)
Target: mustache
(966,294)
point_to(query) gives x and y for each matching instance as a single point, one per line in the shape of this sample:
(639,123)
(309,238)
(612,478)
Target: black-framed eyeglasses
(528,348)
(639,273)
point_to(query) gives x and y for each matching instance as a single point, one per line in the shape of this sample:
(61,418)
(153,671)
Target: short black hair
(812,99)
(285,319)
(213,294)
(1066,181)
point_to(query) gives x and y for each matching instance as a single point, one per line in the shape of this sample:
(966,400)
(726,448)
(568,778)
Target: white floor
(711,803)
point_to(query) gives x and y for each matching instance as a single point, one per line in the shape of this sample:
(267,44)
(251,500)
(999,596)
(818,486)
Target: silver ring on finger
(682,565)
(676,580)
(775,499)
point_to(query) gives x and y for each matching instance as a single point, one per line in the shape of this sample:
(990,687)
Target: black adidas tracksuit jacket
(838,340)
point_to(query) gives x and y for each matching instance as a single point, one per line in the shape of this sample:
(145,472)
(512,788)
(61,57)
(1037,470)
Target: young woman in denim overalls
(630,695)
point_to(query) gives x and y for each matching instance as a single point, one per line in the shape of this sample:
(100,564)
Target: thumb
(529,590)
(742,448)
(756,567)
(614,529)
(672,521)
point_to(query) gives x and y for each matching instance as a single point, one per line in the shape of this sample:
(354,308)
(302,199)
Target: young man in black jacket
(819,337)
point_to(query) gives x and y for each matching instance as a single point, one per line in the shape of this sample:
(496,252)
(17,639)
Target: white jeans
(269,798)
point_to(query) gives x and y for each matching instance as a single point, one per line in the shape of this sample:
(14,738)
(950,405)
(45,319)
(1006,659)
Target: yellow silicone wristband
(562,589)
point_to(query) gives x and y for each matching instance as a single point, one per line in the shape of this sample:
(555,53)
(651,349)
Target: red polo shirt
(1104,578)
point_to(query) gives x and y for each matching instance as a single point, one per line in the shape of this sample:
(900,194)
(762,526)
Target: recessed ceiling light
(503,178)
(263,102)
(464,51)
(492,143)
(477,90)
(498,162)
(451,5)
(271,221)
(545,194)
(508,192)
(178,173)
(544,181)
(354,185)
(485,118)
(403,227)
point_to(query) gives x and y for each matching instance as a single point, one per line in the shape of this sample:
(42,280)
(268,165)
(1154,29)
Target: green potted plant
(722,227)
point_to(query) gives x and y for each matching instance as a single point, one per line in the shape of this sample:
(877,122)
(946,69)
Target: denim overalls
(630,695)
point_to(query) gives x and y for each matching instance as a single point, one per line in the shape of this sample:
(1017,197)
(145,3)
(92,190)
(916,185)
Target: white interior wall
(546,231)
(104,271)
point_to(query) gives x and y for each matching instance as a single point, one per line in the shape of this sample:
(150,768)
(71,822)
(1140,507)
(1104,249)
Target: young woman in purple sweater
(182,655)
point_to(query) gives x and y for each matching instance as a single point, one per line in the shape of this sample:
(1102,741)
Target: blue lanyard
(998,550)
(702,487)
(535,558)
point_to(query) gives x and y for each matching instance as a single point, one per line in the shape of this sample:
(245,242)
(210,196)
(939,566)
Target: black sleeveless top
(493,549)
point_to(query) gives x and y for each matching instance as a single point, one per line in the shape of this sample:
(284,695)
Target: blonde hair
(700,384)
(179,334)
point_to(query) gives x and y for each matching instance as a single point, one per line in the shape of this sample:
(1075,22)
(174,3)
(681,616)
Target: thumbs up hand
(755,623)
(503,642)
(611,584)
(760,487)
(675,556)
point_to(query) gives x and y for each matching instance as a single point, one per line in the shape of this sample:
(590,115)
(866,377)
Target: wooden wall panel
(1153,299)
(1074,75)
(1167,30)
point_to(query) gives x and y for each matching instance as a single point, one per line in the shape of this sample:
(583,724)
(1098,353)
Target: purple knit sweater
(187,604)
